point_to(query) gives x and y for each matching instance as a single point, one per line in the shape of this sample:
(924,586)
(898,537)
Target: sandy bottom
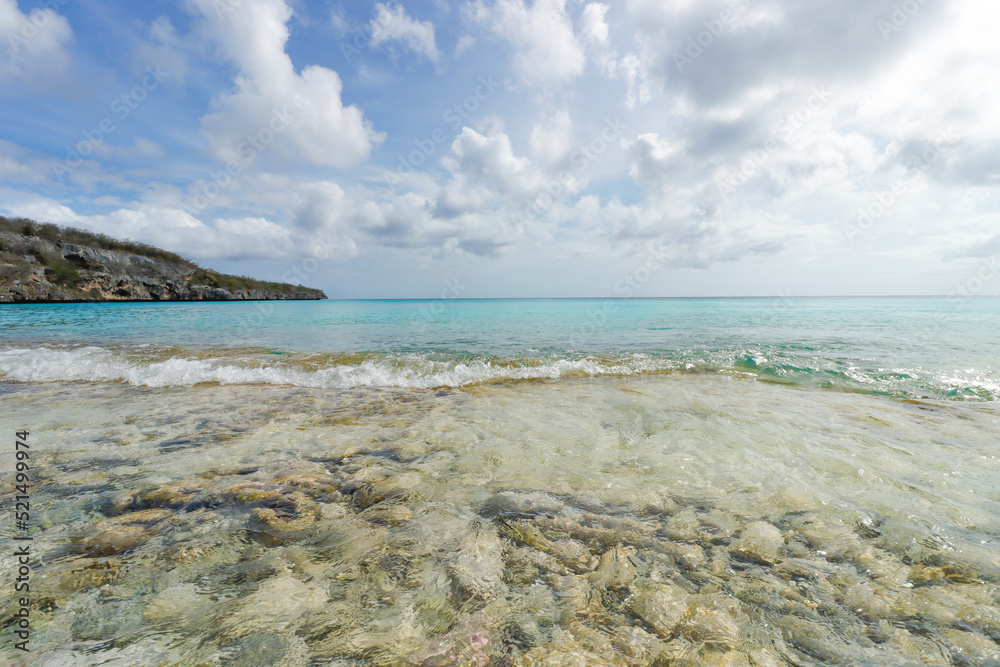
(681,519)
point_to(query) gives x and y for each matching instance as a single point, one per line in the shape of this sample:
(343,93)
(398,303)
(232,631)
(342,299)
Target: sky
(519,148)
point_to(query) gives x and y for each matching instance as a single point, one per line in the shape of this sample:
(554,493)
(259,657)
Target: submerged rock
(713,658)
(971,649)
(79,575)
(661,606)
(830,538)
(467,645)
(255,650)
(573,555)
(391,486)
(178,606)
(640,646)
(125,532)
(277,605)
(687,556)
(711,620)
(820,642)
(513,503)
(565,651)
(615,570)
(297,514)
(262,649)
(172,496)
(760,542)
(578,598)
(106,620)
(478,565)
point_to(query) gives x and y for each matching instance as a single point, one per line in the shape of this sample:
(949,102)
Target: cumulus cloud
(485,172)
(545,47)
(653,158)
(391,24)
(296,117)
(719,50)
(634,73)
(35,46)
(246,237)
(552,138)
(768,132)
(594,27)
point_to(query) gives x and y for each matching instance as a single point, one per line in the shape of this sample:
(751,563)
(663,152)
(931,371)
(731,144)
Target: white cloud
(486,163)
(594,27)
(19,165)
(465,42)
(339,22)
(653,157)
(233,238)
(35,46)
(391,24)
(41,209)
(721,51)
(294,117)
(546,50)
(741,104)
(634,73)
(552,138)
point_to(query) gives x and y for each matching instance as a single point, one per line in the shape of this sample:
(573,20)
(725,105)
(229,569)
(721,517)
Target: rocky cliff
(38,264)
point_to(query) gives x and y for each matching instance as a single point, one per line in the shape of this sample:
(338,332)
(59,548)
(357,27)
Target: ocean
(763,482)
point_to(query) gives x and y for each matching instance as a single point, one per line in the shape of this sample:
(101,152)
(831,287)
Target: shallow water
(917,347)
(681,518)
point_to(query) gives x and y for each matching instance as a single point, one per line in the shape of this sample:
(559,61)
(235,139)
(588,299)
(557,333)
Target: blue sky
(519,148)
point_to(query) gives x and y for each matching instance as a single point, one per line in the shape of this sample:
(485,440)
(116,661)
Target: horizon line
(635,298)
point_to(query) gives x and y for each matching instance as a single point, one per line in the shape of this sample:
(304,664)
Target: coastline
(50,264)
(708,483)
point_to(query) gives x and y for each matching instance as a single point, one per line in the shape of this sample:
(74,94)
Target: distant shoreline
(52,264)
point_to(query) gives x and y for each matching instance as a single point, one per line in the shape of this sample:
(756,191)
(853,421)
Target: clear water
(688,482)
(911,347)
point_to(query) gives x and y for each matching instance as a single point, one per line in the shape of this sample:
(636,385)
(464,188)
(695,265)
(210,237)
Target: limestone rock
(661,606)
(759,542)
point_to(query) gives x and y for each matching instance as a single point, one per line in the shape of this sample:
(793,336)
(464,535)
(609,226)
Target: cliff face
(34,269)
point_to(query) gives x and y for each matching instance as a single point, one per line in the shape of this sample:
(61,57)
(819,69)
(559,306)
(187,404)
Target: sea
(504,482)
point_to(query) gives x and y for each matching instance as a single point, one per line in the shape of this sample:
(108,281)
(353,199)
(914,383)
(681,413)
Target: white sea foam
(412,371)
(415,371)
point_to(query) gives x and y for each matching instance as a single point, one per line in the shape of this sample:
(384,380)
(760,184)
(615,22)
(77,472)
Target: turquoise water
(682,482)
(911,346)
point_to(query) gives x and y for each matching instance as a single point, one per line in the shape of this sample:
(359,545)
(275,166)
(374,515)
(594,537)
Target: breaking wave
(163,367)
